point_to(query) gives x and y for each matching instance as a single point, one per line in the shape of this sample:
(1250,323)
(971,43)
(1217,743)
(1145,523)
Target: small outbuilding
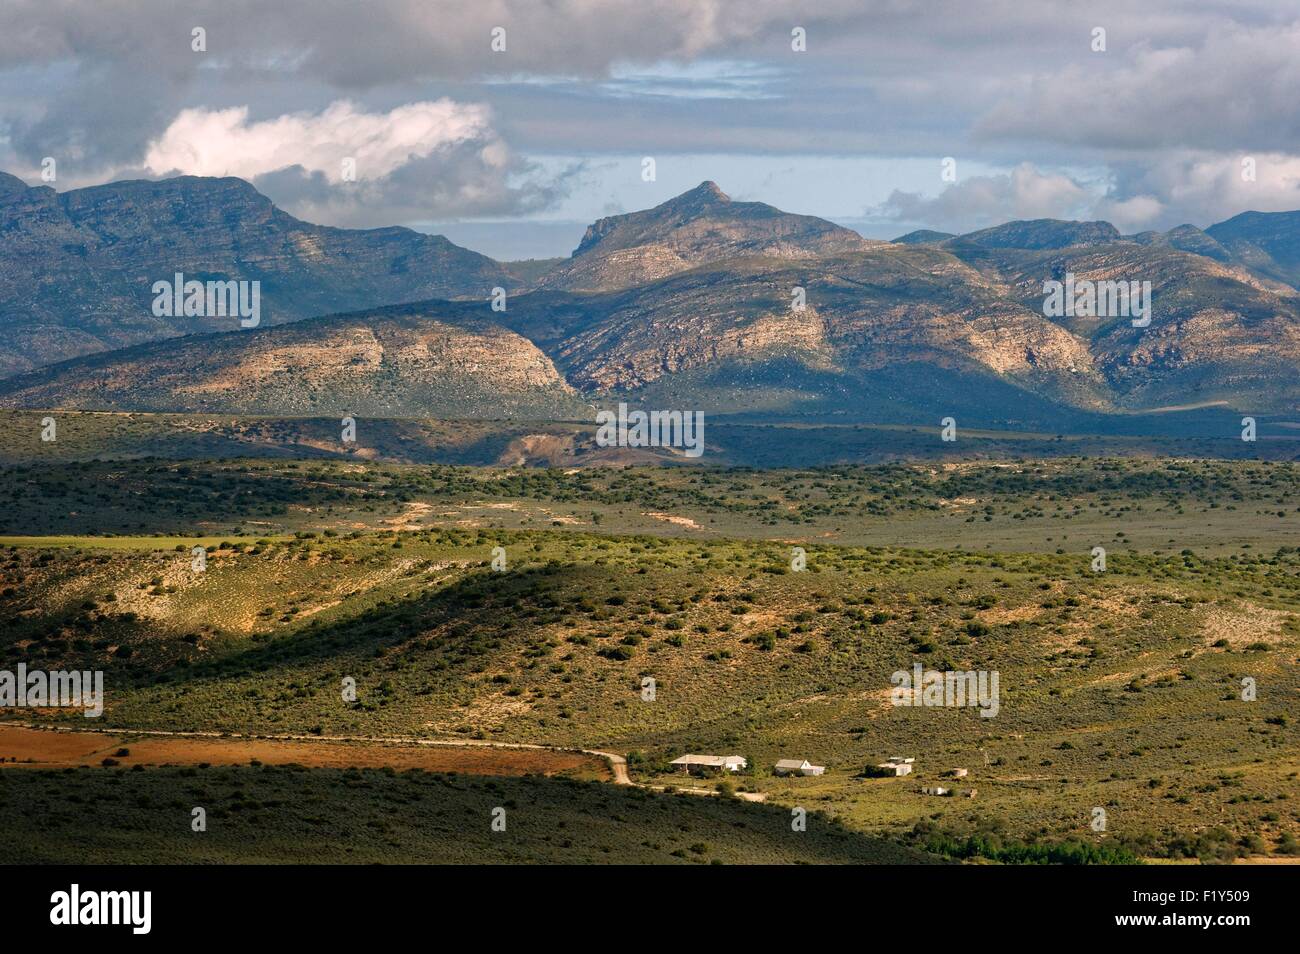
(798,767)
(893,767)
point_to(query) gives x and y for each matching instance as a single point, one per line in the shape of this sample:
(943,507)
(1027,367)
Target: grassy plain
(1119,690)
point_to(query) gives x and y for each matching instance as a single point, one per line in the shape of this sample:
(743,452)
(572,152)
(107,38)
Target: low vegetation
(1120,690)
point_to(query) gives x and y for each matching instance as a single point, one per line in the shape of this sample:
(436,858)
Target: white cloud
(221,142)
(1233,87)
(1131,215)
(1206,187)
(981,201)
(416,162)
(1158,122)
(1178,187)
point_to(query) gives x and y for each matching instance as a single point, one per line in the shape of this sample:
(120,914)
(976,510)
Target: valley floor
(650,613)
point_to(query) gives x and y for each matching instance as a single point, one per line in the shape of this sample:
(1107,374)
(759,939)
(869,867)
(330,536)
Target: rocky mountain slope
(1265,242)
(704,303)
(409,361)
(77,267)
(1042,233)
(863,313)
(1218,332)
(696,228)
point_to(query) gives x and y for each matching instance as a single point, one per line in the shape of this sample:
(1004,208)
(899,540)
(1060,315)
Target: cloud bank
(1151,131)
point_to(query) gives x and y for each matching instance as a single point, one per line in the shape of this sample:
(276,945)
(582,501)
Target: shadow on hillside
(459,622)
(423,818)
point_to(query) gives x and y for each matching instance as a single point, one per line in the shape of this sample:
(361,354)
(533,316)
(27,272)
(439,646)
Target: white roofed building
(702,764)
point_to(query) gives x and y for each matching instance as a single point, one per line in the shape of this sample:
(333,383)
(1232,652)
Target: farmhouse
(709,764)
(797,767)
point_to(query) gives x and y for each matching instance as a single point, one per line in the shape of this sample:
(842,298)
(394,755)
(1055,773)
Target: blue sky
(843,189)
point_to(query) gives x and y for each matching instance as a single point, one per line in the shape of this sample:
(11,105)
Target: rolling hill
(1119,688)
(402,363)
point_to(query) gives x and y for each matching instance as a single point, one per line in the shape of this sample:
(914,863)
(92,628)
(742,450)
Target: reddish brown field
(37,748)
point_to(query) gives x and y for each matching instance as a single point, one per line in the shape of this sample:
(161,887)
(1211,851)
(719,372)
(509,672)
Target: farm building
(709,764)
(896,765)
(797,767)
(937,790)
(958,773)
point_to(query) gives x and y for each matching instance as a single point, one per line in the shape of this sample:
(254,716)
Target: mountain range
(701,302)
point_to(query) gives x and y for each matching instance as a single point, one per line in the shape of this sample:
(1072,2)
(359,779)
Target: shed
(798,767)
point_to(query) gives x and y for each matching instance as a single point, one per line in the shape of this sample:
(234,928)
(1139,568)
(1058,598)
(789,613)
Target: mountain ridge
(739,307)
(78,266)
(400,361)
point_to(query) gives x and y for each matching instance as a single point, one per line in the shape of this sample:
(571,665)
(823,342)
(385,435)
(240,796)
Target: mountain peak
(700,225)
(706,191)
(11,183)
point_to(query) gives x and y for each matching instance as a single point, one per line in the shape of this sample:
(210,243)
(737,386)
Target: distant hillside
(895,334)
(1043,233)
(727,336)
(1266,242)
(404,362)
(923,237)
(1185,238)
(77,267)
(1217,333)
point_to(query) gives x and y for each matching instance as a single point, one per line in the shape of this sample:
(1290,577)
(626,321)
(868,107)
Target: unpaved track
(65,746)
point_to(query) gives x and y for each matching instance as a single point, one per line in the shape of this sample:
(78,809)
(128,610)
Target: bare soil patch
(39,748)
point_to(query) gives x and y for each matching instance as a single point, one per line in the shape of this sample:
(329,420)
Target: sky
(509,125)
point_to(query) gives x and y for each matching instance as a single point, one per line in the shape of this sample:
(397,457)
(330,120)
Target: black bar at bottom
(341,903)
